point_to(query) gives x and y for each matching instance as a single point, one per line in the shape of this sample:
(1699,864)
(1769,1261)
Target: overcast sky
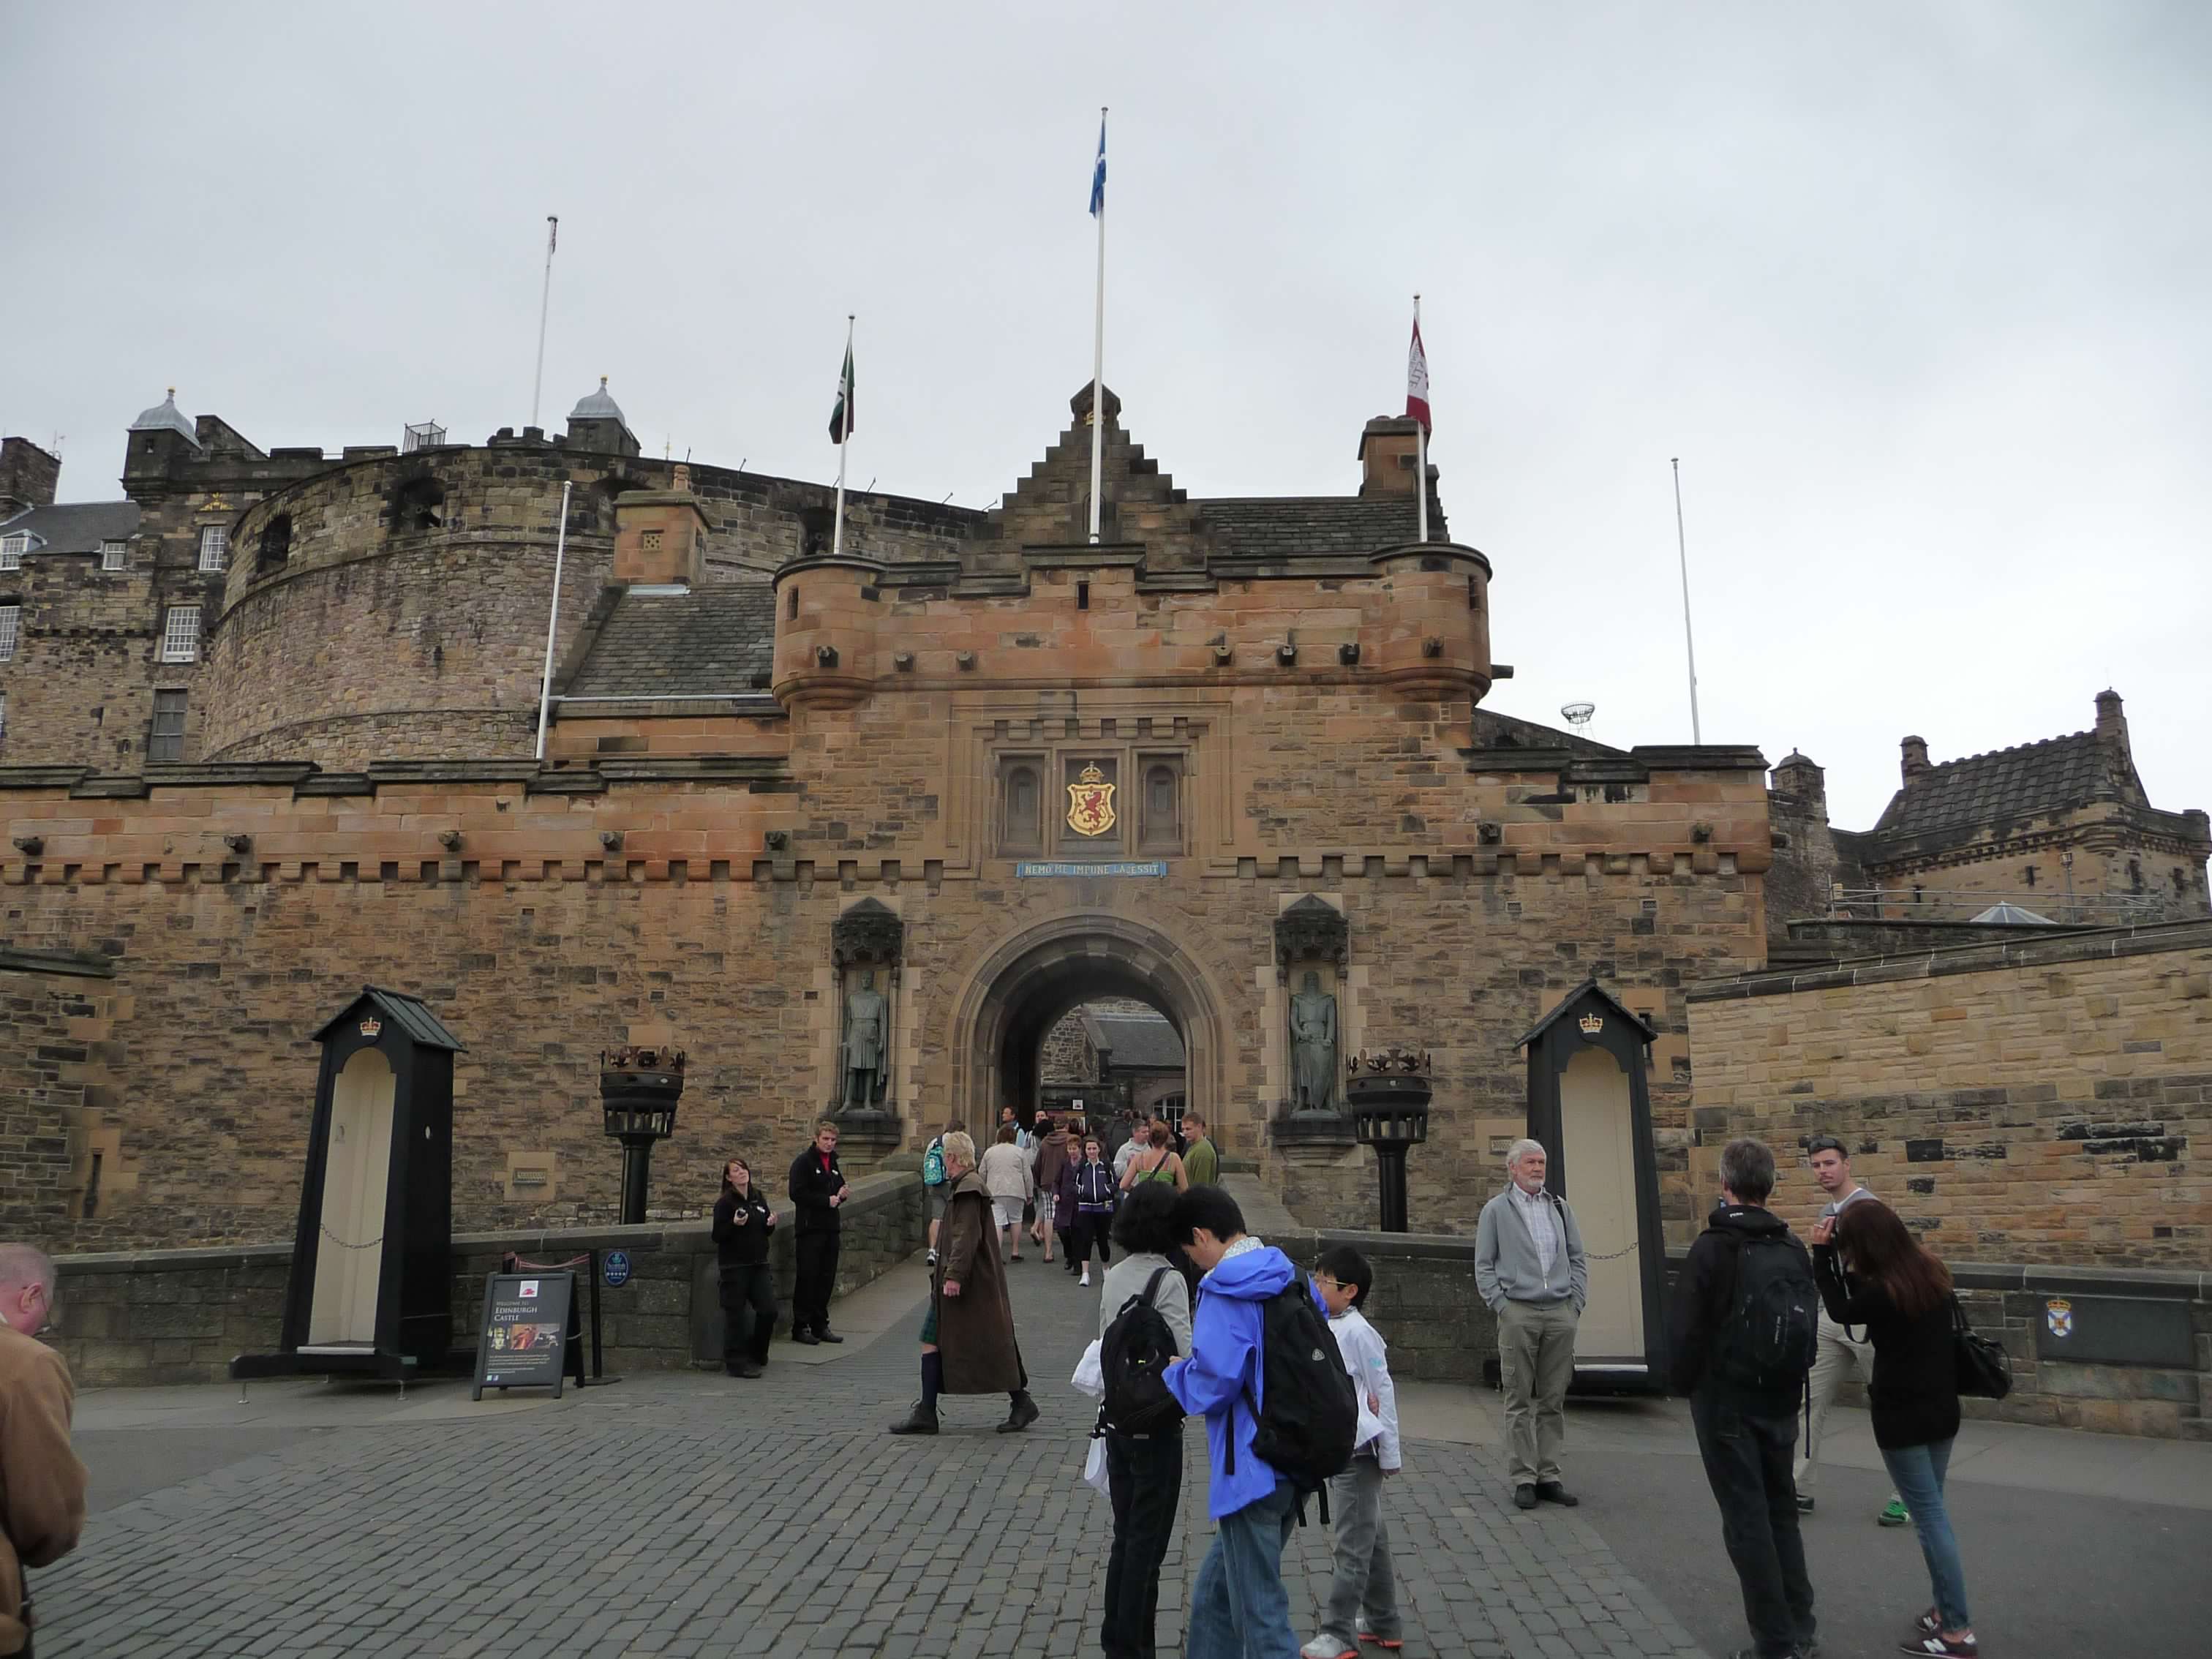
(1917,293)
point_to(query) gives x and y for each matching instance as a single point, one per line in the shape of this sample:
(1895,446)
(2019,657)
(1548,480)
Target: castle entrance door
(350,1260)
(1016,996)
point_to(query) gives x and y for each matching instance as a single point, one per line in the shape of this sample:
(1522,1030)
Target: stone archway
(1016,994)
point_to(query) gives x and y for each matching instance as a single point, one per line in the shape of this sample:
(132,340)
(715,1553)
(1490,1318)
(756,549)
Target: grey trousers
(1363,1582)
(1835,1358)
(1536,1361)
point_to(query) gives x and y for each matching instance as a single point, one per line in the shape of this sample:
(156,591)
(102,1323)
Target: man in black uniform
(817,1187)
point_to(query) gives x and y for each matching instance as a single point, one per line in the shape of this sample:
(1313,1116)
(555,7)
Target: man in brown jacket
(968,1343)
(41,1482)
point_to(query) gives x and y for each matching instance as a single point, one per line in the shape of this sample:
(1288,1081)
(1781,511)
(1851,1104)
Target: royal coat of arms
(1091,803)
(2058,1315)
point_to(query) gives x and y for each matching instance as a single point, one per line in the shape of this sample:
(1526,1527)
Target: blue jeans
(1917,1472)
(1239,1609)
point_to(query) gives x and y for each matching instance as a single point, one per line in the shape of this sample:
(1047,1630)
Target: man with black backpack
(1280,1417)
(1742,1333)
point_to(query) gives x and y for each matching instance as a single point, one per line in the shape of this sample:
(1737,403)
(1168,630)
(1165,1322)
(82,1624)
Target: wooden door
(349,1257)
(1596,1133)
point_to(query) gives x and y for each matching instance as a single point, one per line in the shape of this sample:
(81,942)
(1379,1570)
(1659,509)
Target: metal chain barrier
(344,1244)
(1613,1256)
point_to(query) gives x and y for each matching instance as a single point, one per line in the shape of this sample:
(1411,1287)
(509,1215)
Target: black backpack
(1132,1356)
(1773,1326)
(1309,1410)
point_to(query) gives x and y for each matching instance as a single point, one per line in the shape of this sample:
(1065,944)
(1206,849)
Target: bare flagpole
(553,622)
(844,432)
(1098,338)
(1689,644)
(1421,439)
(545,303)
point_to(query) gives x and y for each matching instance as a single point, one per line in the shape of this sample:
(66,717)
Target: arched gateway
(1018,991)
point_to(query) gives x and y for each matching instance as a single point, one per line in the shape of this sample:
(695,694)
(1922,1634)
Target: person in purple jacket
(1239,1609)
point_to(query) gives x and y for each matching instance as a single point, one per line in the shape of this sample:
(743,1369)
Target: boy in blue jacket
(1239,1609)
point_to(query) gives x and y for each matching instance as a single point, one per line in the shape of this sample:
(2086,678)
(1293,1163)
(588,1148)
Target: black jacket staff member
(817,1187)
(741,1224)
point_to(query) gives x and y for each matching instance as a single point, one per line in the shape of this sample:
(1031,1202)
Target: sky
(1916,294)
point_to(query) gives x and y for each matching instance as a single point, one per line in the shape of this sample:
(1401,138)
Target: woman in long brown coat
(968,1343)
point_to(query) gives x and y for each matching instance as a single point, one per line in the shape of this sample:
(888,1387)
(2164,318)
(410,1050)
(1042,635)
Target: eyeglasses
(1327,1282)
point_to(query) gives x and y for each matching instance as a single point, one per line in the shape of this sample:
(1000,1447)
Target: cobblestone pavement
(681,1515)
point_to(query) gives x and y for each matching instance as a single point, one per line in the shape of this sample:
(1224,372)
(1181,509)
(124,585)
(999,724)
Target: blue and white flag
(1099,176)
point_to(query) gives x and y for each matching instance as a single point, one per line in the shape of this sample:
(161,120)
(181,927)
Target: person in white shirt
(1843,1348)
(1362,1598)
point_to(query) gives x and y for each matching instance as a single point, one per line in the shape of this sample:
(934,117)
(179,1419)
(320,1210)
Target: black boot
(920,1420)
(1024,1413)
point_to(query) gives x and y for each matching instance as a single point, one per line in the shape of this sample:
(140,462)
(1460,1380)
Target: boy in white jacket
(1363,1600)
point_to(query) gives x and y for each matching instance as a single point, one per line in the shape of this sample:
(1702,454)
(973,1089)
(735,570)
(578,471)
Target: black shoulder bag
(1983,1368)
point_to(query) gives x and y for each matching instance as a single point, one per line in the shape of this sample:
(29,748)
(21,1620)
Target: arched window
(276,540)
(1161,830)
(1024,828)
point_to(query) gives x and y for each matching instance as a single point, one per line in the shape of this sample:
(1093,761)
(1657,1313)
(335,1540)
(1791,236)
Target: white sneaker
(1325,1646)
(1085,1279)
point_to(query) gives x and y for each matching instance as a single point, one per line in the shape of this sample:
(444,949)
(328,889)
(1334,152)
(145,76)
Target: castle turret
(596,423)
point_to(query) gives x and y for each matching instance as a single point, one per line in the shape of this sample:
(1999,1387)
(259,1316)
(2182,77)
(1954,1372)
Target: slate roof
(1132,1041)
(1282,526)
(2007,785)
(76,526)
(1493,729)
(424,1029)
(710,641)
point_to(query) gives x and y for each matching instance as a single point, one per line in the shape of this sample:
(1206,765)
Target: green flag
(841,418)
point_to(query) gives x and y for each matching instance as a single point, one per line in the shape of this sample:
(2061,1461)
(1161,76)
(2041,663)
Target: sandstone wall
(168,1316)
(2044,1102)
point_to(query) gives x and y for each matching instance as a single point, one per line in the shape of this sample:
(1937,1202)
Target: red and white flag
(1417,382)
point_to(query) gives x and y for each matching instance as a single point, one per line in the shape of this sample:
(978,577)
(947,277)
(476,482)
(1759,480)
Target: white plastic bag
(1094,1465)
(1089,1377)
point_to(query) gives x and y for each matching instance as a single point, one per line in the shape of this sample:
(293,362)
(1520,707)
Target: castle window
(414,508)
(11,626)
(181,634)
(165,738)
(4,717)
(1159,827)
(1021,792)
(12,549)
(111,555)
(2030,873)
(214,547)
(791,605)
(276,540)
(2135,876)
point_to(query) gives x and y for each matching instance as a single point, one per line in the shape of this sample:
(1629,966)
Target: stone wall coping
(2163,1284)
(305,779)
(2091,944)
(871,1192)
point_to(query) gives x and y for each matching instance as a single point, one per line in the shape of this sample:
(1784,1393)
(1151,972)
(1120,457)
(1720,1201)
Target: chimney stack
(1916,758)
(27,476)
(2112,724)
(1387,456)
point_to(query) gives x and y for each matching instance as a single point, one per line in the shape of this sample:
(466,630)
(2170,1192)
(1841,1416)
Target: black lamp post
(638,1090)
(1389,1094)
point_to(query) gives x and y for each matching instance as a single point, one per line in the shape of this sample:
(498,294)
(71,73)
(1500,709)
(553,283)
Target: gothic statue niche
(867,944)
(1312,943)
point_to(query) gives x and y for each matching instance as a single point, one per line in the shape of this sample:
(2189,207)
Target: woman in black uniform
(743,1222)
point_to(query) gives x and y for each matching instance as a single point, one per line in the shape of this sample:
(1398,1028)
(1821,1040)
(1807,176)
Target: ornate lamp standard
(638,1091)
(1389,1095)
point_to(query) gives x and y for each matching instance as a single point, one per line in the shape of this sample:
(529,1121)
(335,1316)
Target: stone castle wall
(2044,1102)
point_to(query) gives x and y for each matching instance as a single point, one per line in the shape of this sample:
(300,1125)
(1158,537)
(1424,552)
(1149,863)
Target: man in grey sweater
(1530,1269)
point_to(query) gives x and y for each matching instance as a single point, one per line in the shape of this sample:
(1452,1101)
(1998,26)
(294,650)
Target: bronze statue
(865,1067)
(1312,1048)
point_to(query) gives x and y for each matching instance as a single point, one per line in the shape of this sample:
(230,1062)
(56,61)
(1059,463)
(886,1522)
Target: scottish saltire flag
(1099,174)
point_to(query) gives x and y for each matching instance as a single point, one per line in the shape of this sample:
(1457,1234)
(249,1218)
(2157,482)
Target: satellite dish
(1577,714)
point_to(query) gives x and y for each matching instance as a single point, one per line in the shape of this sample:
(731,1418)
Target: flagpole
(844,432)
(553,621)
(544,304)
(1099,361)
(1689,644)
(1421,444)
